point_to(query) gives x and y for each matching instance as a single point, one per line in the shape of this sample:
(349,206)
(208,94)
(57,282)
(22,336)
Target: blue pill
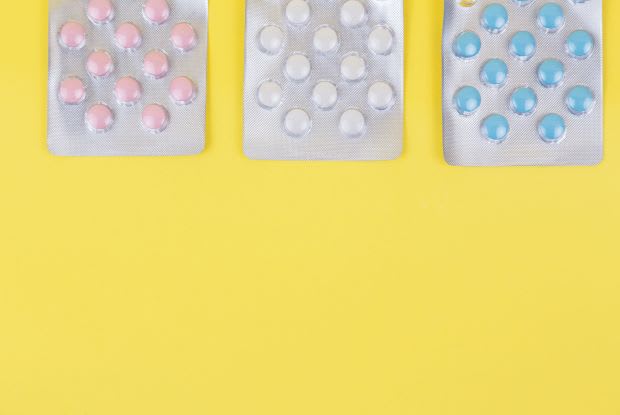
(551,17)
(467,100)
(523,101)
(523,45)
(551,73)
(580,44)
(494,18)
(466,45)
(580,100)
(494,73)
(552,128)
(495,128)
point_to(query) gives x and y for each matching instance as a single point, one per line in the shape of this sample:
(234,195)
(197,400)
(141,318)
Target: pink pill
(100,64)
(156,11)
(156,64)
(72,35)
(184,37)
(154,118)
(72,90)
(182,90)
(99,118)
(100,11)
(128,91)
(128,36)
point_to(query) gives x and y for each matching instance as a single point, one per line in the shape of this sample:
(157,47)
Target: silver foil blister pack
(323,79)
(127,77)
(522,82)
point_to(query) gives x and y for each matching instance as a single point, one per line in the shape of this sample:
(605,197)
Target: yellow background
(213,284)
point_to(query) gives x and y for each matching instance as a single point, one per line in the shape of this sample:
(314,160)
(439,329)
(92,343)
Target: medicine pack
(127,77)
(323,79)
(523,82)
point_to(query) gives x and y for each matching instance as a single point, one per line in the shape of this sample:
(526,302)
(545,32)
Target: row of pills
(579,100)
(155,12)
(550,73)
(353,13)
(551,128)
(155,65)
(326,40)
(550,18)
(579,45)
(128,36)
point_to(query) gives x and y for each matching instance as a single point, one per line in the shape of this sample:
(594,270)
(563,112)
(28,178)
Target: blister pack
(323,79)
(523,82)
(127,77)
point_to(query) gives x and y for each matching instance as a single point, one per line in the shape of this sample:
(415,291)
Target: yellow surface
(217,285)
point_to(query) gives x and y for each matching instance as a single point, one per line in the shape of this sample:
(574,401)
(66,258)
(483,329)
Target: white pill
(326,39)
(325,95)
(271,39)
(353,14)
(298,12)
(297,67)
(352,123)
(353,67)
(297,122)
(269,94)
(381,40)
(380,96)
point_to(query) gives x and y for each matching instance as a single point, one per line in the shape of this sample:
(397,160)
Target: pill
(325,39)
(271,39)
(580,44)
(99,118)
(494,18)
(298,12)
(269,94)
(127,91)
(100,11)
(352,123)
(552,128)
(381,40)
(551,17)
(182,90)
(466,45)
(297,122)
(353,14)
(128,36)
(72,91)
(494,73)
(523,101)
(72,35)
(381,96)
(523,45)
(467,100)
(580,100)
(99,64)
(155,118)
(183,37)
(325,95)
(297,67)
(495,128)
(522,3)
(156,11)
(353,67)
(551,73)
(156,64)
